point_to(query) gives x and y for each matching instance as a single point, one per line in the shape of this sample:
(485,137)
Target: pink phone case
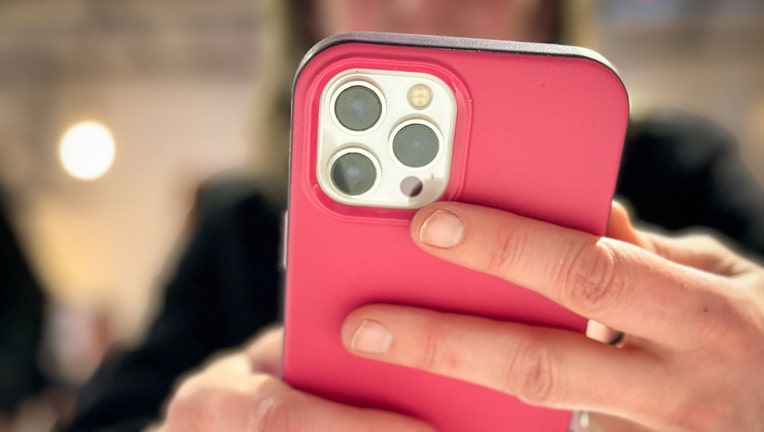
(539,131)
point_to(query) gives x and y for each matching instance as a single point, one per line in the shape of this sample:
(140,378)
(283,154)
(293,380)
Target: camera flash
(420,96)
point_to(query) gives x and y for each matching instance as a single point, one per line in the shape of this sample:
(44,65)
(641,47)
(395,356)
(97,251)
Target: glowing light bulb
(87,150)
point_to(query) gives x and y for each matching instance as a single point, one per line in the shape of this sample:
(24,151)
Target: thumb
(265,351)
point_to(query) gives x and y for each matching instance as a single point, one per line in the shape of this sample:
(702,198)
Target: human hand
(692,311)
(241,392)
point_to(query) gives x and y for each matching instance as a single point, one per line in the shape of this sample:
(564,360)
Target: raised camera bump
(367,116)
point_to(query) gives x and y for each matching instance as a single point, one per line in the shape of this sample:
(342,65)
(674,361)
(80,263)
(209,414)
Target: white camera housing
(407,98)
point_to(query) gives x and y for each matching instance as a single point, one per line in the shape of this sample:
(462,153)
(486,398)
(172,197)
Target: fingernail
(371,337)
(442,229)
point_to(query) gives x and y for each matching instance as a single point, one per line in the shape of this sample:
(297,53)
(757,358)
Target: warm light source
(87,150)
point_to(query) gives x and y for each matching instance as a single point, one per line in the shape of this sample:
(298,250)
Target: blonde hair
(280,47)
(577,26)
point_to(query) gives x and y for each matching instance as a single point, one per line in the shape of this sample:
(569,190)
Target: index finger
(610,281)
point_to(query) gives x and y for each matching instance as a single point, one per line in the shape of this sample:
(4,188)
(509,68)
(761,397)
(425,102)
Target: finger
(620,227)
(697,251)
(615,283)
(259,402)
(541,366)
(700,251)
(266,352)
(262,355)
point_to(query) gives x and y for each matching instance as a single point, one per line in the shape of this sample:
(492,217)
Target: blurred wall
(173,80)
(702,56)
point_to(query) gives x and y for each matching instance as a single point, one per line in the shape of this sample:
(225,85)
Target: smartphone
(383,124)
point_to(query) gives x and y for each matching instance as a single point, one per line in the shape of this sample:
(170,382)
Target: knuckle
(188,413)
(261,405)
(432,355)
(706,242)
(591,279)
(272,407)
(530,374)
(271,414)
(183,411)
(506,250)
(711,254)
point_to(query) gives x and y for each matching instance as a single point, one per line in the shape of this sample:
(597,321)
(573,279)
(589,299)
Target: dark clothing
(225,288)
(21,316)
(677,172)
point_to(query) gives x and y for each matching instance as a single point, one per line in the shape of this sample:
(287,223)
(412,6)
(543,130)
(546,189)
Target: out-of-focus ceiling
(85,40)
(53,48)
(172,80)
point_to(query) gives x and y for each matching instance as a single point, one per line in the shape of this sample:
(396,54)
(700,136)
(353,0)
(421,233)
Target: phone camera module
(416,145)
(353,173)
(384,138)
(358,108)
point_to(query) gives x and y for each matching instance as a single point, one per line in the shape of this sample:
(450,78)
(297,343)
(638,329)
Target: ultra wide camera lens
(416,145)
(353,173)
(358,108)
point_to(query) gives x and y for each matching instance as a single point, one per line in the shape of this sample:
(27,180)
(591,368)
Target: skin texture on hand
(240,391)
(691,310)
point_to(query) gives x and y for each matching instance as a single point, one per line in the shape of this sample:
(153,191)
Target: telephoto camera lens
(353,174)
(416,145)
(358,108)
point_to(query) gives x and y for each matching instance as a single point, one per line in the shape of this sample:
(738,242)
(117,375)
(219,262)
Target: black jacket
(21,316)
(677,172)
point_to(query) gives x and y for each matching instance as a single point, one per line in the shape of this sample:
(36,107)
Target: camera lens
(416,145)
(353,173)
(358,108)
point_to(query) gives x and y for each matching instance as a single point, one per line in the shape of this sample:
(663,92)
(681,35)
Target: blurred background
(166,88)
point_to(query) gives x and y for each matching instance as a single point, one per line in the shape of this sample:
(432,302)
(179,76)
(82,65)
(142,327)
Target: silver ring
(617,339)
(579,421)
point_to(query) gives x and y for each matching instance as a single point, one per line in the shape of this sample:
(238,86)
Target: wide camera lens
(358,108)
(416,145)
(353,173)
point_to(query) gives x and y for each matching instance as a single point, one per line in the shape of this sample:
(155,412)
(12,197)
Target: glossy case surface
(539,131)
